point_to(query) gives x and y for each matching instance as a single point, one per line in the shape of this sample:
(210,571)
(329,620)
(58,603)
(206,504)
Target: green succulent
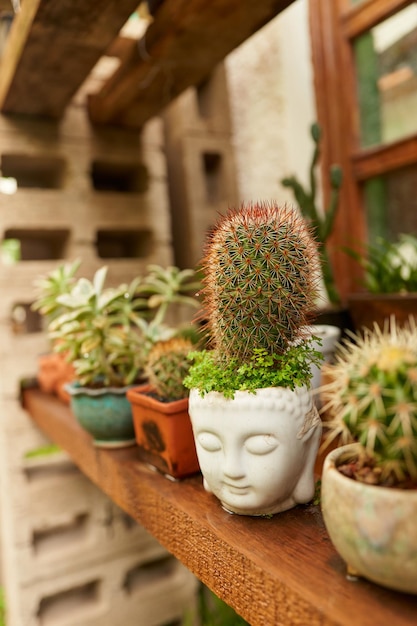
(320,221)
(372,398)
(166,367)
(260,287)
(57,283)
(100,331)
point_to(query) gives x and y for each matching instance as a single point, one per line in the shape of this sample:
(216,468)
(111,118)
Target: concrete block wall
(201,164)
(69,555)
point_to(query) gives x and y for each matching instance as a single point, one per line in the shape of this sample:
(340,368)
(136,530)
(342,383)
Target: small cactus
(261,273)
(167,366)
(372,399)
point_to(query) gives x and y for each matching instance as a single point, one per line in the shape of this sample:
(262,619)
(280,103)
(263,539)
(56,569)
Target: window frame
(334,24)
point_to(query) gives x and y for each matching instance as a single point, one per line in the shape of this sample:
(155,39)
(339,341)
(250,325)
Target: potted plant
(321,221)
(254,421)
(160,410)
(369,487)
(99,332)
(54,371)
(389,282)
(106,334)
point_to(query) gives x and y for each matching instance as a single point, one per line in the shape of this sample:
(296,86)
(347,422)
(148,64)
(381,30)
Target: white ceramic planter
(257,451)
(329,336)
(374,529)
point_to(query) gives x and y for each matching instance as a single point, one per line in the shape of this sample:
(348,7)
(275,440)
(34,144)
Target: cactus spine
(261,273)
(372,398)
(167,366)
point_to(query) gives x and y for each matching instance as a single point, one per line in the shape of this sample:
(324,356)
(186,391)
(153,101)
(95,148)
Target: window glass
(391,203)
(386,71)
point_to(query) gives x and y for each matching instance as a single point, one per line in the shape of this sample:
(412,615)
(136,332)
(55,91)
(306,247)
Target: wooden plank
(383,159)
(364,16)
(52,47)
(275,571)
(183,44)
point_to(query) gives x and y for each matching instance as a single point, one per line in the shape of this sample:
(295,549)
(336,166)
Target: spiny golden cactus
(372,397)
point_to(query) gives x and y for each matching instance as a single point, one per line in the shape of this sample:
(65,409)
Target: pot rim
(330,466)
(75,389)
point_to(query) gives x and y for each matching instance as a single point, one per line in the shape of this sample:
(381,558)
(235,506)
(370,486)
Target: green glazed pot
(105,413)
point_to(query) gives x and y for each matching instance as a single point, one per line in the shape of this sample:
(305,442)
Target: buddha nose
(233,464)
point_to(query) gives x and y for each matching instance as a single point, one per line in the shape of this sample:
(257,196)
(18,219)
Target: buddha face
(257,461)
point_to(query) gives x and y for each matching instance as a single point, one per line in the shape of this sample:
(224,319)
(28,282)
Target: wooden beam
(183,44)
(51,49)
(383,159)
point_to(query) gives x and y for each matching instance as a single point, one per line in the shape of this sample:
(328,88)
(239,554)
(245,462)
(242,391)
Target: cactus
(167,366)
(260,285)
(321,222)
(372,399)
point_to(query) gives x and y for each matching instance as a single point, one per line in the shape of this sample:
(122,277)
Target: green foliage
(260,285)
(211,372)
(99,331)
(57,283)
(166,367)
(47,450)
(372,398)
(213,612)
(321,221)
(2,608)
(390,267)
(107,332)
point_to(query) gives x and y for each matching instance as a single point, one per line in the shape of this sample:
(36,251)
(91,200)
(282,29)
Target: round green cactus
(372,398)
(261,272)
(167,366)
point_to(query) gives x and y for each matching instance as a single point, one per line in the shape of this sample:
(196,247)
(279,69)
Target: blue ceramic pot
(105,413)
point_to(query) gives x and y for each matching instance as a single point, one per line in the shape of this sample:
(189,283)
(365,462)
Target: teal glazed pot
(104,413)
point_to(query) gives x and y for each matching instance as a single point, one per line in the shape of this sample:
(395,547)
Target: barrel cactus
(371,397)
(261,272)
(261,275)
(167,366)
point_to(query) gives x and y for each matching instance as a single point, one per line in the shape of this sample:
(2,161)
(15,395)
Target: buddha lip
(236,487)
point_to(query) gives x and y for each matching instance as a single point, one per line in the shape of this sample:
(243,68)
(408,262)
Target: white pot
(373,528)
(257,451)
(329,336)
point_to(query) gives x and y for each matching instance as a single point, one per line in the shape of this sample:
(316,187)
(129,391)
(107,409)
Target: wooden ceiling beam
(52,47)
(180,48)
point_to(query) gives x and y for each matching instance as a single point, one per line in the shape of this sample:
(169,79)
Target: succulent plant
(321,221)
(261,271)
(260,285)
(167,365)
(57,283)
(372,399)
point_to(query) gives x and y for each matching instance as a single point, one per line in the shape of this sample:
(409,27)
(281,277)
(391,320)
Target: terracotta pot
(368,308)
(105,413)
(373,528)
(257,451)
(54,372)
(163,433)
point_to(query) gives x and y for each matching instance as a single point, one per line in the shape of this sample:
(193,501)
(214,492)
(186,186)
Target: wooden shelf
(275,571)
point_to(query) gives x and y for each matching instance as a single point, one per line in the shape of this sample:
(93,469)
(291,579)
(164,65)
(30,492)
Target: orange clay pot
(54,372)
(163,433)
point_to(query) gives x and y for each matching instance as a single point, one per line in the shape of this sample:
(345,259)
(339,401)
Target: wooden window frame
(333,26)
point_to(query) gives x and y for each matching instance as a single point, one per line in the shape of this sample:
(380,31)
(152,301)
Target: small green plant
(42,451)
(57,283)
(389,267)
(321,221)
(99,333)
(166,367)
(260,286)
(106,332)
(372,398)
(291,369)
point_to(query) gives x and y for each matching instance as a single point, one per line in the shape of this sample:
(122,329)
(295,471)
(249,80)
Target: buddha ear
(305,487)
